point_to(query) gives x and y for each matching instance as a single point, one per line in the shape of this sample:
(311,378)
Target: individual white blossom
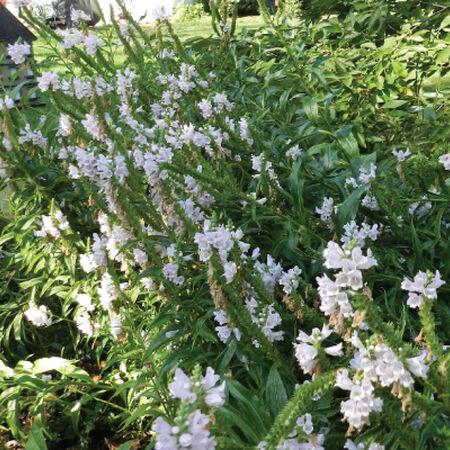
(445,161)
(401,155)
(205,108)
(84,324)
(294,152)
(350,445)
(417,365)
(107,292)
(115,324)
(85,301)
(266,318)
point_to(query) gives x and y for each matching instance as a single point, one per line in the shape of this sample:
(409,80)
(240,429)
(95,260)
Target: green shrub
(238,242)
(185,13)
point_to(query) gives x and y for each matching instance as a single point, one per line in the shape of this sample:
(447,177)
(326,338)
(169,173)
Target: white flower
(445,161)
(17,52)
(305,422)
(77,14)
(183,388)
(306,356)
(334,256)
(343,381)
(294,152)
(370,202)
(180,387)
(85,301)
(417,365)
(195,437)
(289,280)
(423,286)
(401,155)
(87,263)
(365,176)
(214,395)
(91,42)
(170,271)
(335,350)
(115,324)
(230,270)
(205,108)
(326,210)
(160,14)
(140,257)
(83,323)
(48,80)
(38,316)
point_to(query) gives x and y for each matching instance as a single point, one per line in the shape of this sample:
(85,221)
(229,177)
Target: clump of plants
(186,13)
(240,242)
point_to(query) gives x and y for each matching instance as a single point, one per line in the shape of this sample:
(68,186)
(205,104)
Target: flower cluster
(38,316)
(18,52)
(52,225)
(334,295)
(306,350)
(422,287)
(376,365)
(184,388)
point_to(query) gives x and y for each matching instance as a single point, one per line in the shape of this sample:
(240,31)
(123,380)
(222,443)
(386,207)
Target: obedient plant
(213,249)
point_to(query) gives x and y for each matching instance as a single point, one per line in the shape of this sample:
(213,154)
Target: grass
(45,55)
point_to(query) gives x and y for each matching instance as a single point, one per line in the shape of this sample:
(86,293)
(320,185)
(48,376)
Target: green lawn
(185,30)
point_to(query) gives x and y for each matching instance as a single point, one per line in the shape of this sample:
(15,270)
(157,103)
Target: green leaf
(61,365)
(126,446)
(347,141)
(393,104)
(347,211)
(225,357)
(12,417)
(310,108)
(36,439)
(237,418)
(276,396)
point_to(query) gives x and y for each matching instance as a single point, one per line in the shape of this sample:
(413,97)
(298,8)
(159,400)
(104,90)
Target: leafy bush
(185,13)
(235,243)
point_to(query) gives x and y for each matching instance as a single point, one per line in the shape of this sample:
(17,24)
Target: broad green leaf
(311,108)
(36,439)
(347,141)
(276,396)
(393,104)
